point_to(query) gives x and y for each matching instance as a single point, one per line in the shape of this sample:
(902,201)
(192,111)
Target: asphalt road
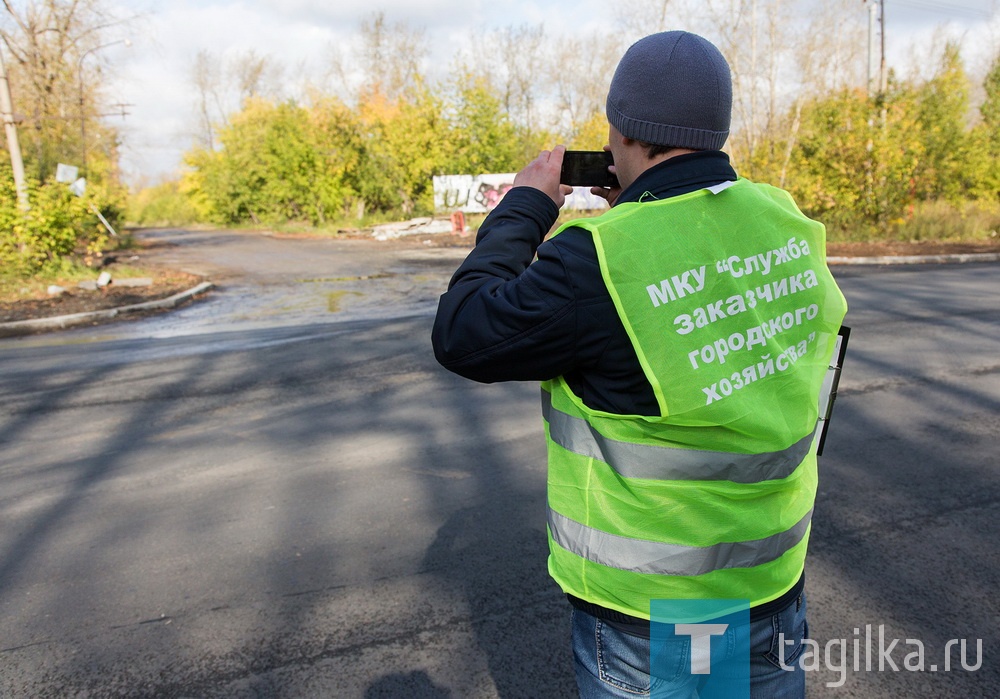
(278,493)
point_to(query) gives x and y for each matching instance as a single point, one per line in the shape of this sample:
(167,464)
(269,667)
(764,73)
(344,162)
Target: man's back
(681,339)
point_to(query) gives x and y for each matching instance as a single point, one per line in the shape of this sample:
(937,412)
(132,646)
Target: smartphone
(587,168)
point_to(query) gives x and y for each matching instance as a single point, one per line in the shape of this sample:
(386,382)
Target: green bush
(56,225)
(940,220)
(162,205)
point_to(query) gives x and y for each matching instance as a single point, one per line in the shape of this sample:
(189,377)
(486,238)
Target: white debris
(134,281)
(56,290)
(416,226)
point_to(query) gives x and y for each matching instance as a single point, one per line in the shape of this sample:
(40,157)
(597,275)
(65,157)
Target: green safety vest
(733,314)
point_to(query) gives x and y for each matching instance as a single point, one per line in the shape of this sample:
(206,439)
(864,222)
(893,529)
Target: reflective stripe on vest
(712,497)
(659,558)
(632,460)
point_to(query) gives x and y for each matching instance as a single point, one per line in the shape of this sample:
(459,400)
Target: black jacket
(506,319)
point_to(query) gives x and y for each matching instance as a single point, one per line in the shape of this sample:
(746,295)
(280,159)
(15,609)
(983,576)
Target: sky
(152,73)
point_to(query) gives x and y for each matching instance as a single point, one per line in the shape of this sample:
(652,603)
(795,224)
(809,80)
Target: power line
(944,8)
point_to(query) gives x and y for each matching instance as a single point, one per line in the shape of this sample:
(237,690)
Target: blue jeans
(611,663)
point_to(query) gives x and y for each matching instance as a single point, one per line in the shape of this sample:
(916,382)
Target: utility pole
(10,126)
(883,73)
(872,19)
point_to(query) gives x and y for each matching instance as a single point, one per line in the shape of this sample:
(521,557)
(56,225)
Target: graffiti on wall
(481,193)
(470,194)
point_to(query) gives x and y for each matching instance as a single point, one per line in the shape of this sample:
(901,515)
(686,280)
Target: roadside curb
(915,259)
(20,327)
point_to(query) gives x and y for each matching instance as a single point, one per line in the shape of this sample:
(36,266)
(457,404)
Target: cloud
(154,74)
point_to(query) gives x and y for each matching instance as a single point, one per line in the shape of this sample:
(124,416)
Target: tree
(56,75)
(986,138)
(223,87)
(57,225)
(404,146)
(837,147)
(57,78)
(337,134)
(641,17)
(591,134)
(482,137)
(207,79)
(392,55)
(257,76)
(780,59)
(990,108)
(942,105)
(580,74)
(508,59)
(265,169)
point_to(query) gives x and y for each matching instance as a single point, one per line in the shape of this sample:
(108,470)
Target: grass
(946,222)
(13,288)
(69,272)
(928,221)
(936,221)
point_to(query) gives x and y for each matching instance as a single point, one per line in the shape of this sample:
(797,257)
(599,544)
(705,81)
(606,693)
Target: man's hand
(608,193)
(542,173)
(605,193)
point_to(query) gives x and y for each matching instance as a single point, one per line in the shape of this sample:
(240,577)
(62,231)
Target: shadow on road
(326,512)
(321,512)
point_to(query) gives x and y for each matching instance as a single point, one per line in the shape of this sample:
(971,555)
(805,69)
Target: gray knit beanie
(672,89)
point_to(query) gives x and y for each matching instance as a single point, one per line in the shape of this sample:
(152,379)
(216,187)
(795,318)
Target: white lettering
(736,305)
(661,294)
(917,655)
(700,318)
(885,653)
(682,285)
(731,266)
(765,261)
(755,336)
(797,284)
(780,288)
(693,358)
(715,312)
(684,320)
(721,350)
(699,277)
(712,393)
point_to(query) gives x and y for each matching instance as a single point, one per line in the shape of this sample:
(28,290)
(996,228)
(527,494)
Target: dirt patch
(75,300)
(898,248)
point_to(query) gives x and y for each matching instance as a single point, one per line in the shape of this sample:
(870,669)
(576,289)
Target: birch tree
(58,74)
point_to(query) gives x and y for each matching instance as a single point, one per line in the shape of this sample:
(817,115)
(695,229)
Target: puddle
(334,298)
(365,277)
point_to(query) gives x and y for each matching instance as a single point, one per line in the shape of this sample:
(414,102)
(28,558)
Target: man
(681,338)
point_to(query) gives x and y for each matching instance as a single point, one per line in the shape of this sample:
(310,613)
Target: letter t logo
(701,644)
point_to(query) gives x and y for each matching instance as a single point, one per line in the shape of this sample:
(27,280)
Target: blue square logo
(699,648)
